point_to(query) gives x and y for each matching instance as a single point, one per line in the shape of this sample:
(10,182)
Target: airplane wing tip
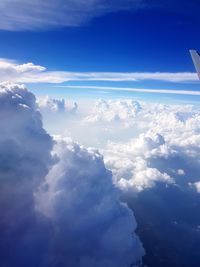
(196,60)
(192,51)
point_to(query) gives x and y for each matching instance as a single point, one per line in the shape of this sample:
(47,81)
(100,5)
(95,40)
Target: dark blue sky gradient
(156,38)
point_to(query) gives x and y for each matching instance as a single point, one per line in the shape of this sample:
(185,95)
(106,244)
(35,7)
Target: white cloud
(83,204)
(113,111)
(142,90)
(157,172)
(25,157)
(30,73)
(151,144)
(19,15)
(58,203)
(196,186)
(130,162)
(9,66)
(10,70)
(171,121)
(48,104)
(155,160)
(164,151)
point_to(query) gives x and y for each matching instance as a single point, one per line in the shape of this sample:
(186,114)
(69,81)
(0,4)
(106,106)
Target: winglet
(196,60)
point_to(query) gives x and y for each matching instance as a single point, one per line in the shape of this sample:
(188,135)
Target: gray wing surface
(196,60)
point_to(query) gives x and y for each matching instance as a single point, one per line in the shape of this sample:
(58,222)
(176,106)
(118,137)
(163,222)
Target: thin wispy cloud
(141,90)
(19,15)
(30,73)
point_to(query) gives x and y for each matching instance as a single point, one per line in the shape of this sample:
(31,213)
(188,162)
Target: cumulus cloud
(10,70)
(131,166)
(49,104)
(155,157)
(113,111)
(196,186)
(157,171)
(57,200)
(31,73)
(40,15)
(161,134)
(83,204)
(25,158)
(11,66)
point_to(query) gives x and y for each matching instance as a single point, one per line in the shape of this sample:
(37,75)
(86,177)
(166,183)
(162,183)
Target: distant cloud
(17,15)
(48,104)
(155,159)
(157,170)
(142,90)
(165,139)
(113,111)
(31,73)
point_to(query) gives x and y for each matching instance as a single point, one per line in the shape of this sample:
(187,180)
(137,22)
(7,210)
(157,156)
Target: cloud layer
(139,90)
(30,73)
(161,134)
(155,161)
(58,204)
(140,140)
(67,191)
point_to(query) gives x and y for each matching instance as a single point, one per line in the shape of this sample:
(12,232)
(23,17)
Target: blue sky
(105,36)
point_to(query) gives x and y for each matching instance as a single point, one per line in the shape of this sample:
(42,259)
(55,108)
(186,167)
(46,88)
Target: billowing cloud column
(92,227)
(25,156)
(58,205)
